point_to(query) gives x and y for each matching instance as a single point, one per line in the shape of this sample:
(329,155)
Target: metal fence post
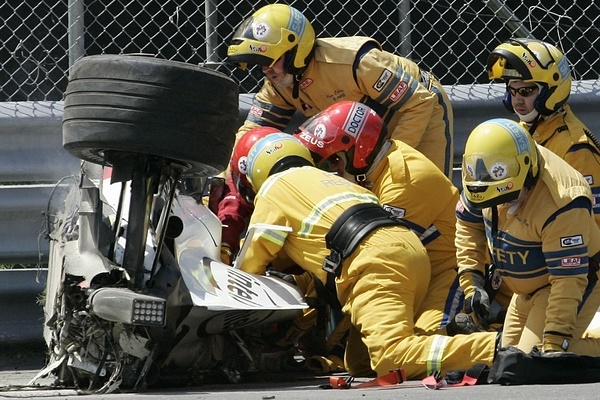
(76,31)
(405,27)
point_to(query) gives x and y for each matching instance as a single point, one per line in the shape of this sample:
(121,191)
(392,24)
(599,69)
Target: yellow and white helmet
(274,153)
(532,60)
(499,160)
(271,32)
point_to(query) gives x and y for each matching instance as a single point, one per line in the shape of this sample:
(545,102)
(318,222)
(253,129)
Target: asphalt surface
(20,364)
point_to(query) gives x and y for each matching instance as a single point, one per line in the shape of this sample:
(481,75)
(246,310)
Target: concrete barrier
(21,316)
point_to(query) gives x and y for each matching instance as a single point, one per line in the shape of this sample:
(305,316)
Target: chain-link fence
(452,38)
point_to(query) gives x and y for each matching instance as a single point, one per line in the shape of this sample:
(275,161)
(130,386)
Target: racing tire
(137,104)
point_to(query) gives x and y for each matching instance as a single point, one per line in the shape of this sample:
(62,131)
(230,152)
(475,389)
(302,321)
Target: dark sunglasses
(525,91)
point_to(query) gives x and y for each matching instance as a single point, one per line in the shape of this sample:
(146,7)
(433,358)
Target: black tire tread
(145,105)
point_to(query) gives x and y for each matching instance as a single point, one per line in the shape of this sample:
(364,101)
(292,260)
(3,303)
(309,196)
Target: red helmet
(349,127)
(239,159)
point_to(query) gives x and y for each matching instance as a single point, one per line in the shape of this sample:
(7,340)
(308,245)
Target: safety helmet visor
(486,168)
(499,160)
(490,180)
(498,67)
(313,133)
(255,42)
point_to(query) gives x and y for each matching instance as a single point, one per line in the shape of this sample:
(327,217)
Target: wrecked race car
(136,292)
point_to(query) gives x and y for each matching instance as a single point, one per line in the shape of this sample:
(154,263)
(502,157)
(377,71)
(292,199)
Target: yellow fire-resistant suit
(412,102)
(383,282)
(541,249)
(565,135)
(410,187)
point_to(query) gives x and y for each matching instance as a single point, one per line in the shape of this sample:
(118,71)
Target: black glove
(281,275)
(478,305)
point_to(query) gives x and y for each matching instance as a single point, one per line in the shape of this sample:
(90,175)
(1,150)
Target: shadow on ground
(22,356)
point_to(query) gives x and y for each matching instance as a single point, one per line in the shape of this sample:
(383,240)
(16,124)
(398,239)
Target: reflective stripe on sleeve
(436,353)
(327,203)
(275,236)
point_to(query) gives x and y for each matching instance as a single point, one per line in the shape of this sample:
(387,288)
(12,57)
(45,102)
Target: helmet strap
(288,66)
(360,179)
(288,63)
(529,180)
(296,87)
(360,174)
(533,126)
